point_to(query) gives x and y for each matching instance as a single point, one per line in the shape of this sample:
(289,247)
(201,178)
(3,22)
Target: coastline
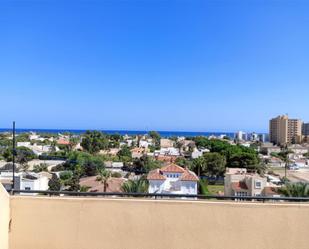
(126,132)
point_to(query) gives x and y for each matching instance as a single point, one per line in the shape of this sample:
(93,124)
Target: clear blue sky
(162,65)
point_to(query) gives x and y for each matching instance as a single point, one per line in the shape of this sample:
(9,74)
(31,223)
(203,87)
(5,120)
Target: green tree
(41,167)
(74,140)
(203,189)
(299,189)
(74,182)
(5,142)
(135,186)
(199,165)
(244,160)
(154,135)
(94,141)
(215,164)
(22,137)
(284,156)
(235,155)
(104,176)
(185,163)
(54,183)
(125,154)
(146,163)
(66,177)
(156,138)
(87,163)
(84,188)
(116,137)
(23,155)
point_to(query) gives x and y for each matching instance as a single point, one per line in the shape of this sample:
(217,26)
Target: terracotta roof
(155,175)
(173,168)
(166,158)
(63,142)
(137,150)
(275,159)
(238,186)
(189,176)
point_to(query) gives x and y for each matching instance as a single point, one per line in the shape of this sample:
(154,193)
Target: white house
(166,143)
(23,144)
(269,148)
(172,179)
(25,180)
(198,152)
(37,149)
(34,136)
(114,166)
(33,181)
(298,149)
(170,151)
(144,144)
(40,149)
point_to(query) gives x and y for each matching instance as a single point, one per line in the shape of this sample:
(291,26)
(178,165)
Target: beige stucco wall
(4,218)
(80,223)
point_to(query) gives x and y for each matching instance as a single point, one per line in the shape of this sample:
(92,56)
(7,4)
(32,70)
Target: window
(258,184)
(27,188)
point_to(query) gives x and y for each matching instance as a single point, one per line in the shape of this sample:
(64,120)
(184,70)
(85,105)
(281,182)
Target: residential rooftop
(41,222)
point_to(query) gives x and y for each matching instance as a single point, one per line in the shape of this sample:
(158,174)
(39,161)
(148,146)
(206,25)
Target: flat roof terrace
(30,222)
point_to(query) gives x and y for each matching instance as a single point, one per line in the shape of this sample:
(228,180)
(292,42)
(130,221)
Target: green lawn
(275,168)
(214,189)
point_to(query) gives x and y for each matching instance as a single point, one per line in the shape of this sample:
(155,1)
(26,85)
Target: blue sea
(127,132)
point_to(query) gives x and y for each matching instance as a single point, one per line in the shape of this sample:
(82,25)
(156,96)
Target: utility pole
(14,153)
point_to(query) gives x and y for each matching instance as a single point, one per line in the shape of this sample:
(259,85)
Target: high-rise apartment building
(241,136)
(306,129)
(283,130)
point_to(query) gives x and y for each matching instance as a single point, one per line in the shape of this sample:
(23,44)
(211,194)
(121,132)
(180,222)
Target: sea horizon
(126,132)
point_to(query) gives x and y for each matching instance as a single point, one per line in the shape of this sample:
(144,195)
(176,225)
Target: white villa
(172,179)
(25,180)
(33,181)
(37,149)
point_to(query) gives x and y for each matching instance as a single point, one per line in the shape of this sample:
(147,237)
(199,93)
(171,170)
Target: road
(301,175)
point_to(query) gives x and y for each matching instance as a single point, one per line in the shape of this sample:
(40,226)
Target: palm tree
(104,176)
(135,186)
(298,189)
(284,156)
(199,164)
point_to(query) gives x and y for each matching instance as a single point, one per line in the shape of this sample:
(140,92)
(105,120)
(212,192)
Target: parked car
(293,167)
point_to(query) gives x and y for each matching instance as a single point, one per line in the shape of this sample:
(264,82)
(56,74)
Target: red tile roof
(155,175)
(238,186)
(189,176)
(166,158)
(172,168)
(63,142)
